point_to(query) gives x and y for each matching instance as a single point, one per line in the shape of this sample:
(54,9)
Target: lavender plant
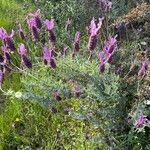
(103,92)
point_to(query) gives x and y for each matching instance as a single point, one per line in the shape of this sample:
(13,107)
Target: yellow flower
(17,120)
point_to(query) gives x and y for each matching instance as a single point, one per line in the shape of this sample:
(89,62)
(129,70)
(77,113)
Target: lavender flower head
(93,31)
(109,48)
(141,120)
(102,63)
(34,30)
(36,18)
(50,26)
(143,68)
(22,50)
(76,43)
(21,33)
(106,5)
(77,36)
(7,39)
(6,52)
(64,50)
(110,44)
(48,57)
(23,54)
(1,77)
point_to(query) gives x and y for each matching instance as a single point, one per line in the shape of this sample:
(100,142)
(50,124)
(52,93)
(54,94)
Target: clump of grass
(13,11)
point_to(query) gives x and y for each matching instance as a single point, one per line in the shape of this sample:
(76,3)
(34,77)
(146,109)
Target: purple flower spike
(22,50)
(1,77)
(52,63)
(27,62)
(110,44)
(100,57)
(36,18)
(6,52)
(3,33)
(92,42)
(93,31)
(64,50)
(35,33)
(7,39)
(102,64)
(77,92)
(102,68)
(1,59)
(33,28)
(52,36)
(106,5)
(23,54)
(10,43)
(50,26)
(109,57)
(141,120)
(21,33)
(76,42)
(48,57)
(143,69)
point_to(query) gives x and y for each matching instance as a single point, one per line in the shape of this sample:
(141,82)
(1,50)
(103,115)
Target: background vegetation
(104,115)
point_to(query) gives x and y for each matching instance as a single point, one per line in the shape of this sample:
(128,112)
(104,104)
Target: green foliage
(104,115)
(28,125)
(13,12)
(101,104)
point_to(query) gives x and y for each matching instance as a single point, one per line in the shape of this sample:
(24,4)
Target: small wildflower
(17,120)
(141,120)
(147,102)
(18,94)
